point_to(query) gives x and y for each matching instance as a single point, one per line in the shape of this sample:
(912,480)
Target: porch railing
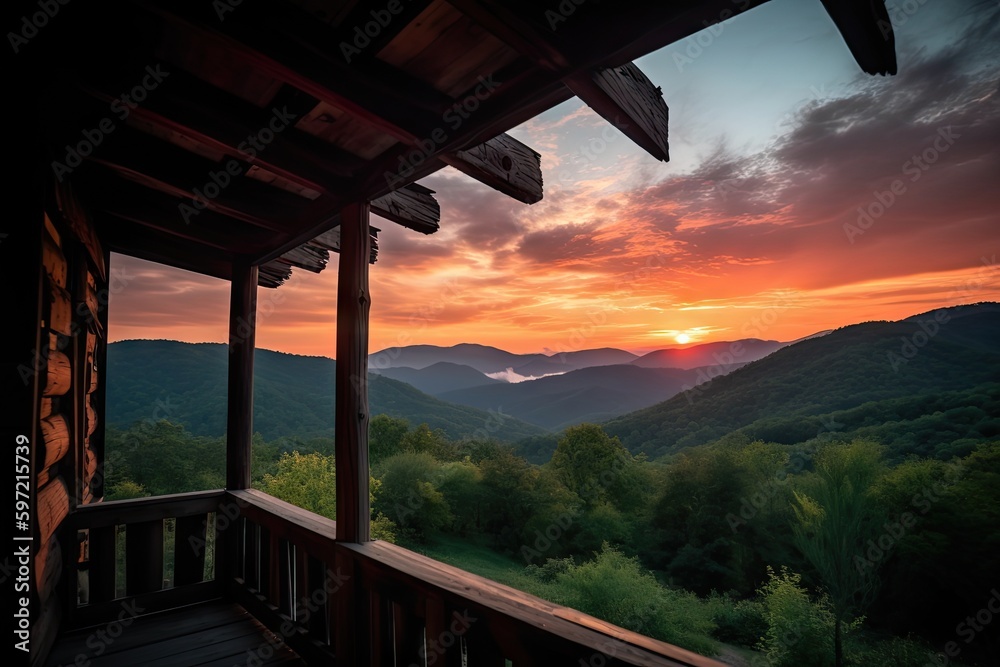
(359,604)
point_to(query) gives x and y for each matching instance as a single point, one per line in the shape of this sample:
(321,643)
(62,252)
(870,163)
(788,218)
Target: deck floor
(211,634)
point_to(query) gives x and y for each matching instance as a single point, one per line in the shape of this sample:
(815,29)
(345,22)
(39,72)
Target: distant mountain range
(939,368)
(658,403)
(293,395)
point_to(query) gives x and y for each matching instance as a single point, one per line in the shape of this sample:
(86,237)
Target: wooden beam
(866,27)
(626,98)
(351,428)
(154,209)
(156,246)
(412,206)
(284,42)
(242,334)
(505,164)
(223,122)
(164,166)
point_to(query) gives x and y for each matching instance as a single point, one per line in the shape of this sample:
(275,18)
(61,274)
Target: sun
(682,338)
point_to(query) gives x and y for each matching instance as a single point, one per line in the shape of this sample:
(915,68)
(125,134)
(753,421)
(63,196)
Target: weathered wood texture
(351,418)
(505,164)
(53,507)
(56,440)
(413,206)
(58,374)
(626,98)
(242,333)
(387,599)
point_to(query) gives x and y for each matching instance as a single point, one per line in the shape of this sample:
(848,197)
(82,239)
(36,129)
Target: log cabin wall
(70,437)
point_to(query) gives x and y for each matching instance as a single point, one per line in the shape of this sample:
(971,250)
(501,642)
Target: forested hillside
(864,375)
(293,395)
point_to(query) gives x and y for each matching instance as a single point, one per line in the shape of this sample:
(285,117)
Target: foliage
(799,629)
(614,587)
(740,622)
(409,494)
(835,517)
(125,490)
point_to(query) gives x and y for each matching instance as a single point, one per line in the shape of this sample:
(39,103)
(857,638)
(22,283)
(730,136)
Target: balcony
(278,588)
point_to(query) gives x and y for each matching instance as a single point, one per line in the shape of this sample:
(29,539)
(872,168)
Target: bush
(550,569)
(895,652)
(615,588)
(740,622)
(799,630)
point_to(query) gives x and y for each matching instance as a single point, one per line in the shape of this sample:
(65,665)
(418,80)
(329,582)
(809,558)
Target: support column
(242,333)
(351,412)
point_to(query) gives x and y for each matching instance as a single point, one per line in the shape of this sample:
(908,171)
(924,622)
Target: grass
(474,555)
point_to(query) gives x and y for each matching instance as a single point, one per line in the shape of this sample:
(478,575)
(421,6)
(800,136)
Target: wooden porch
(258,581)
(243,139)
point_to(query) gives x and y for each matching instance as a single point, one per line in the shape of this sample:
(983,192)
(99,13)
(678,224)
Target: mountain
(486,359)
(589,394)
(293,395)
(723,354)
(440,377)
(872,373)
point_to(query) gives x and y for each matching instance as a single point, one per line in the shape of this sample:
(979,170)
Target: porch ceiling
(233,130)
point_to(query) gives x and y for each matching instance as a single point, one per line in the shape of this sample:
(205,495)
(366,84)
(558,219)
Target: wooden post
(242,330)
(351,412)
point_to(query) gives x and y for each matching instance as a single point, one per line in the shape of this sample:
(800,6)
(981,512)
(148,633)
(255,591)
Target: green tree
(835,516)
(799,630)
(591,464)
(409,494)
(385,437)
(309,481)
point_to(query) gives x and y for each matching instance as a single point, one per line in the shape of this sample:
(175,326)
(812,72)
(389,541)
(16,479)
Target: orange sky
(755,227)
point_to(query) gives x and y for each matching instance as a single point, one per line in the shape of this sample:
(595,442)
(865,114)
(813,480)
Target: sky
(802,195)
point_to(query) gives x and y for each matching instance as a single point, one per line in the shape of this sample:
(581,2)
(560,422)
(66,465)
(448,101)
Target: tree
(309,481)
(835,516)
(409,494)
(385,437)
(590,463)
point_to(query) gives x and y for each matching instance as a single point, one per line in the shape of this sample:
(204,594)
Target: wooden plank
(80,224)
(54,261)
(242,333)
(412,206)
(277,622)
(143,557)
(867,29)
(351,410)
(60,311)
(101,564)
(117,512)
(626,98)
(492,603)
(52,508)
(505,164)
(55,438)
(189,551)
(58,374)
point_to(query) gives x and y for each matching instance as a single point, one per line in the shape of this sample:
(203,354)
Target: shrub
(740,622)
(799,629)
(615,588)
